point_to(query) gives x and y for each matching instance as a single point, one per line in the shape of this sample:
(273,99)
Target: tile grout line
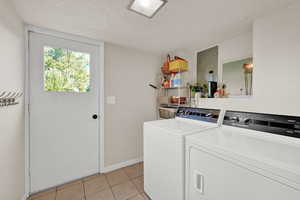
(110,187)
(83,185)
(55,193)
(129,180)
(139,193)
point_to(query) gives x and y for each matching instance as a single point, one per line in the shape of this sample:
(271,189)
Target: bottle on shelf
(177,80)
(172,80)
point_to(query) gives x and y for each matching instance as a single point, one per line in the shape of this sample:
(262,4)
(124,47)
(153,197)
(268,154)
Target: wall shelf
(165,94)
(173,88)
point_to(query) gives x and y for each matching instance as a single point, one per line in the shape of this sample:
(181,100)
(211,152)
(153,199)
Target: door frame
(100,64)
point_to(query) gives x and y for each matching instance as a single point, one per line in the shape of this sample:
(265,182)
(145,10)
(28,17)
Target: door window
(66,70)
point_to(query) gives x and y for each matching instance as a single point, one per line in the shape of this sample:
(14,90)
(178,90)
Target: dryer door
(215,178)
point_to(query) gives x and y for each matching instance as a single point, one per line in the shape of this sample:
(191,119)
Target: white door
(64,110)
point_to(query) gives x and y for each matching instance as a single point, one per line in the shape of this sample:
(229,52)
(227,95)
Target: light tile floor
(123,184)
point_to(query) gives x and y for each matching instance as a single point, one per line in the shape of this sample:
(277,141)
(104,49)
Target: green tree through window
(66,71)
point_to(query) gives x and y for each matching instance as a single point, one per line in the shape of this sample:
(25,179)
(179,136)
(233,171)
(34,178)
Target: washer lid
(180,126)
(275,153)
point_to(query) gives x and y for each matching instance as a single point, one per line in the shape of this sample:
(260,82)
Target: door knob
(95,116)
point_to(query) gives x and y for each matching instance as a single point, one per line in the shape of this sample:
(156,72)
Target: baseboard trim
(121,165)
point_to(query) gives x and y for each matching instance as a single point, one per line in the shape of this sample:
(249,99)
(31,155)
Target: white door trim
(100,60)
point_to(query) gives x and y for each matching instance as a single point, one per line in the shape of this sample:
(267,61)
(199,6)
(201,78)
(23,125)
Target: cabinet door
(214,178)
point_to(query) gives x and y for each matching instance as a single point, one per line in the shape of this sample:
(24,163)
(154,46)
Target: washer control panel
(200,114)
(276,124)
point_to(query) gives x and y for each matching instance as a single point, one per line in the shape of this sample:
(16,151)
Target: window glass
(66,70)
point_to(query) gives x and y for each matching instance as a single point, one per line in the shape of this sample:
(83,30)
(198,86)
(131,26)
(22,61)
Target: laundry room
(150,100)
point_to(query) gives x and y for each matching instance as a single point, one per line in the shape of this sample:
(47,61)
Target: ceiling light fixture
(147,8)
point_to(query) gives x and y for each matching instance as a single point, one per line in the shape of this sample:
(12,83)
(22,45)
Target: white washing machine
(251,157)
(164,150)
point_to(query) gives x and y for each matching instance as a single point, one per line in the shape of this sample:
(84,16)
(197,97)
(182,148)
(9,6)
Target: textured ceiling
(189,24)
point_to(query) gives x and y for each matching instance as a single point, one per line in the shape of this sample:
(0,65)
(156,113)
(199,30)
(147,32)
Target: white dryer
(164,150)
(251,156)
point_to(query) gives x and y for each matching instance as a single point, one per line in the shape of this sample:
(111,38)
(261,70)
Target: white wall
(11,118)
(127,75)
(234,49)
(276,81)
(237,48)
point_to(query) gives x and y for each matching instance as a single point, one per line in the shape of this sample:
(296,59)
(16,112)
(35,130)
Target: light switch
(111,100)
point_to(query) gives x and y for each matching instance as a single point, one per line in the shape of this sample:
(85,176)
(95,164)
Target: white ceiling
(188,24)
